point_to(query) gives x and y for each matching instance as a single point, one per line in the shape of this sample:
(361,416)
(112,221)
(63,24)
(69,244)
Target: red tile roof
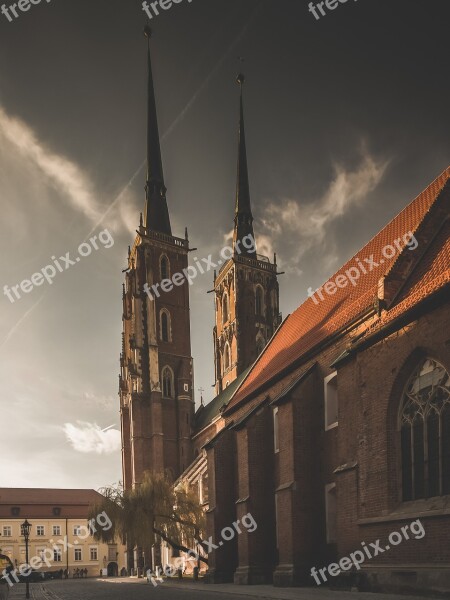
(312,323)
(39,502)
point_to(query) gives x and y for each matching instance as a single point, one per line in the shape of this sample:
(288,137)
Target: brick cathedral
(332,428)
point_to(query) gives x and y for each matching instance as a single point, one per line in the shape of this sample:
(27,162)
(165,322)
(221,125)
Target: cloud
(307,225)
(64,175)
(90,438)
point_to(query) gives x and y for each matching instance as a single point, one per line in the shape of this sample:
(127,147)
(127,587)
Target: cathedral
(331,428)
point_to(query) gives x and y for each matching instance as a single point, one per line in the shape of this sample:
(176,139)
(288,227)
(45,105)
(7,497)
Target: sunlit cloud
(90,438)
(307,226)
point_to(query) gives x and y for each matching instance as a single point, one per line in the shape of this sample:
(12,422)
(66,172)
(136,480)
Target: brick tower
(246,288)
(156,399)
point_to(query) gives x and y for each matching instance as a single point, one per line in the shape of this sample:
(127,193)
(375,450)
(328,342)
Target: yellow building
(61,535)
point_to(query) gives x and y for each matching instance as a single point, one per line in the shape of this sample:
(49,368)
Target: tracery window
(425,432)
(167,383)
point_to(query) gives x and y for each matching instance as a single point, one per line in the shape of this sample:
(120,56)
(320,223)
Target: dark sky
(347,121)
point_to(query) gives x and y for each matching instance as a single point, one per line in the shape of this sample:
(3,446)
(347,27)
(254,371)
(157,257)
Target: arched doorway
(113,569)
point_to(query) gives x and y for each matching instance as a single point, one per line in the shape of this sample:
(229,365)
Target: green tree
(152,511)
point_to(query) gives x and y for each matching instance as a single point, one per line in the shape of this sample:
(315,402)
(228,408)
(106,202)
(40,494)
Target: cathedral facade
(331,428)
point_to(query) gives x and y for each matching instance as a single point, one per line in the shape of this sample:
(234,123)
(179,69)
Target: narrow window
(276,430)
(165,326)
(167,379)
(225,309)
(259,301)
(164,267)
(331,513)
(331,401)
(226,358)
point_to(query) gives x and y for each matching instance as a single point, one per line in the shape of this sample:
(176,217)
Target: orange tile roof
(312,323)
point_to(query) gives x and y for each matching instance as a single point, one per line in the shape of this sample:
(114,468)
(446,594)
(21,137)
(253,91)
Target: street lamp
(25,529)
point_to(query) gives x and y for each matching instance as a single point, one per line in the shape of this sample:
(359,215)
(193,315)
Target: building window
(260,345)
(331,513)
(259,301)
(167,383)
(56,530)
(15,511)
(165,326)
(77,554)
(164,266)
(276,430)
(7,531)
(425,433)
(226,357)
(57,554)
(93,553)
(225,309)
(331,401)
(77,530)
(40,530)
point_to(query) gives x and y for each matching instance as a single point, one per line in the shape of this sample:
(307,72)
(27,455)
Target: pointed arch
(424,426)
(164,267)
(165,325)
(226,358)
(167,379)
(260,343)
(225,308)
(259,301)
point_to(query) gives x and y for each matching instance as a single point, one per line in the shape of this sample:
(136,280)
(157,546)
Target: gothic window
(425,432)
(225,309)
(165,326)
(331,401)
(226,357)
(167,383)
(259,301)
(260,345)
(164,267)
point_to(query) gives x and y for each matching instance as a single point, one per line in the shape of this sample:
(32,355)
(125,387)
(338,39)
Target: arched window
(225,309)
(259,301)
(167,383)
(425,432)
(260,345)
(226,357)
(165,326)
(164,267)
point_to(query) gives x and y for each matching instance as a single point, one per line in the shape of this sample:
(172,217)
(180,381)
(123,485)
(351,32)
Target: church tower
(246,288)
(156,396)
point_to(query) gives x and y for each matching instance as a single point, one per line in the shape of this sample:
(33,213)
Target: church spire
(243,219)
(156,215)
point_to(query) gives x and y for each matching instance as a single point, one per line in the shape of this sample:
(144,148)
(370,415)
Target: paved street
(132,589)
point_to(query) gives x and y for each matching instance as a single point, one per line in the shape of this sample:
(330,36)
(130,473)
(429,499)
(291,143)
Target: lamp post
(25,529)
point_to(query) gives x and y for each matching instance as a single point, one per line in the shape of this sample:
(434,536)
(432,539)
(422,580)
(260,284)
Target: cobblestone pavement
(133,589)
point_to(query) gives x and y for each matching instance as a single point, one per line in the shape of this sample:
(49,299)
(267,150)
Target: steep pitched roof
(316,320)
(206,414)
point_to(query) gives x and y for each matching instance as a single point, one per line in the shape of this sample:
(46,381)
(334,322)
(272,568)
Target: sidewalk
(268,592)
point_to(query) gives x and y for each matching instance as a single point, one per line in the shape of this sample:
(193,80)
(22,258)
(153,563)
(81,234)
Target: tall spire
(156,215)
(243,219)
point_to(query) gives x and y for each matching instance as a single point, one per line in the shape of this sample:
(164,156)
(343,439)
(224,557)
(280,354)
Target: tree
(154,509)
